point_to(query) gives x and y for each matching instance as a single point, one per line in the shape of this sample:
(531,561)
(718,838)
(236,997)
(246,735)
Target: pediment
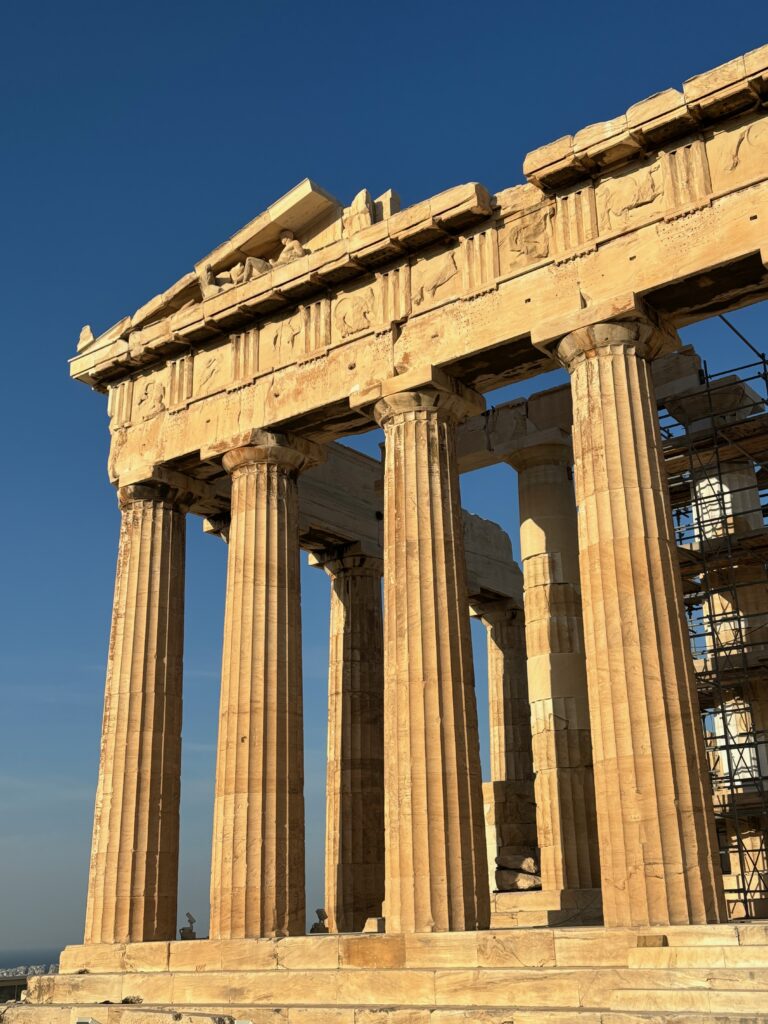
(307,211)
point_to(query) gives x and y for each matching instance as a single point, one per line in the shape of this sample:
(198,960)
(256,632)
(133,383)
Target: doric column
(257,872)
(508,710)
(557,678)
(135,853)
(354,829)
(658,854)
(436,865)
(510,810)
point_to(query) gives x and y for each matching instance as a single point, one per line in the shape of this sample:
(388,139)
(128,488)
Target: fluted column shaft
(557,676)
(509,797)
(658,853)
(134,860)
(354,832)
(508,710)
(436,865)
(510,726)
(257,871)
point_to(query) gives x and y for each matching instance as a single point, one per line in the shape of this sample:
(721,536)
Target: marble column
(726,502)
(658,854)
(435,861)
(135,852)
(257,871)
(354,830)
(557,676)
(510,806)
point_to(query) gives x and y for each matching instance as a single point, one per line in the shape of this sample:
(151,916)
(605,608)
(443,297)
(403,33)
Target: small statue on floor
(319,927)
(188,931)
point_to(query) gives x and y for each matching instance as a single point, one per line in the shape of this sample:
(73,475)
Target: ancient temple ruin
(228,395)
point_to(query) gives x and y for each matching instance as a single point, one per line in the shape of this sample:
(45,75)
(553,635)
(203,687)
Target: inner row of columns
(620,786)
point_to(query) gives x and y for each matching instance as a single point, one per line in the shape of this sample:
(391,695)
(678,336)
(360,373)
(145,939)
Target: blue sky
(135,137)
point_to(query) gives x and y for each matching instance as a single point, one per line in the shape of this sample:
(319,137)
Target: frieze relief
(481,259)
(738,155)
(316,328)
(149,396)
(395,293)
(434,280)
(525,240)
(354,313)
(245,356)
(685,175)
(278,345)
(574,220)
(180,381)
(120,403)
(629,199)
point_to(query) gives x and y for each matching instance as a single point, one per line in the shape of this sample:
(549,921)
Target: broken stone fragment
(516,881)
(517,862)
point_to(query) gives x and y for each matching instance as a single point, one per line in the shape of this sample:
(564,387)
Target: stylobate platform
(591,975)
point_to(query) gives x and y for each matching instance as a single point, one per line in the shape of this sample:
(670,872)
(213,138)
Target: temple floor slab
(597,975)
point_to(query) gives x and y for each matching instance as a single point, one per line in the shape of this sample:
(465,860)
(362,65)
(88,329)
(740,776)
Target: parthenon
(585,879)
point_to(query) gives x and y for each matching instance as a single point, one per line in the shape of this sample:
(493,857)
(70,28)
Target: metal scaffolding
(716,452)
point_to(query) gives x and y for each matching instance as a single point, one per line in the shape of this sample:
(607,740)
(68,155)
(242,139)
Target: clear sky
(137,136)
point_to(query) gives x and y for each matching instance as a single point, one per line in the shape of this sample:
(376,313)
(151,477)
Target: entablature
(477,286)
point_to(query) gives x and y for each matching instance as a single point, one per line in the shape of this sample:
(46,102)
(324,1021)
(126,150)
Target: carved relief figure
(252,267)
(354,313)
(437,273)
(291,250)
(528,239)
(210,366)
(281,338)
(151,398)
(750,145)
(359,214)
(620,197)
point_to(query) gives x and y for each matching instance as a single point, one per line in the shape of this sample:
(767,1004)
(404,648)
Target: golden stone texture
(354,829)
(311,320)
(135,853)
(436,866)
(257,873)
(658,851)
(557,683)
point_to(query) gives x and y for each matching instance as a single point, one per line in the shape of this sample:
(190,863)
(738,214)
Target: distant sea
(27,957)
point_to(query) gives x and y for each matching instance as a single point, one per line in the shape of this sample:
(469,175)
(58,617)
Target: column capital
(349,559)
(494,611)
(424,387)
(545,448)
(644,336)
(293,453)
(450,405)
(154,490)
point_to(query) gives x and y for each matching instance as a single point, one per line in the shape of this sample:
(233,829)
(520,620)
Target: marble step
(700,956)
(531,947)
(709,1002)
(20,1013)
(510,988)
